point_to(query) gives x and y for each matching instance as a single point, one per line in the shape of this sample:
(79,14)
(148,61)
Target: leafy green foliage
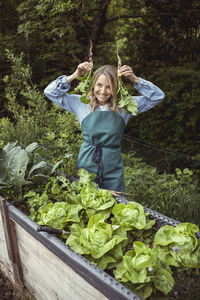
(142,267)
(59,214)
(96,201)
(178,246)
(63,139)
(32,120)
(174,123)
(169,194)
(125,100)
(84,87)
(20,167)
(112,240)
(39,204)
(131,216)
(97,239)
(83,194)
(26,106)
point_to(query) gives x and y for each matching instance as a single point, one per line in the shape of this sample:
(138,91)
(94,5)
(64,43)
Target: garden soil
(7,291)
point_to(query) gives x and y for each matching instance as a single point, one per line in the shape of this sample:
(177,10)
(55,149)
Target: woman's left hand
(127,72)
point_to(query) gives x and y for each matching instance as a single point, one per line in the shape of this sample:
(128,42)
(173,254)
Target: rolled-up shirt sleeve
(151,95)
(57,92)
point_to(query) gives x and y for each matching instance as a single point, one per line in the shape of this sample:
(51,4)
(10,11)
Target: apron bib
(100,152)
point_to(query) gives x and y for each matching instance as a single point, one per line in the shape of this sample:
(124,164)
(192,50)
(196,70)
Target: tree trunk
(98,24)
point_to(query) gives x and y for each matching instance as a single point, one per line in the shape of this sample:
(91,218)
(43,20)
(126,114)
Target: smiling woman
(105,87)
(102,90)
(103,120)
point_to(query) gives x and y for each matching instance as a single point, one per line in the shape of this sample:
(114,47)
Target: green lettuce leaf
(131,216)
(178,246)
(97,239)
(142,266)
(97,200)
(60,214)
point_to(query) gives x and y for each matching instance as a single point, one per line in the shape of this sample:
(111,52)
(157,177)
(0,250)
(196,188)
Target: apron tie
(97,153)
(97,158)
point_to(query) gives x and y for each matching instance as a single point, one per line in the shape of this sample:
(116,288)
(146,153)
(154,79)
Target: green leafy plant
(119,237)
(125,100)
(21,167)
(83,193)
(131,216)
(97,240)
(178,246)
(84,87)
(142,267)
(59,214)
(169,194)
(55,191)
(25,105)
(96,201)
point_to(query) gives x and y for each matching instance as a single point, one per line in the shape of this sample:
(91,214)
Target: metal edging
(99,279)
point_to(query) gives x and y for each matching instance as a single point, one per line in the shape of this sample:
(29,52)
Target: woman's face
(102,89)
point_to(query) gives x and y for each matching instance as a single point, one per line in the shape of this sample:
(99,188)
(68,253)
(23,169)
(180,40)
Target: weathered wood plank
(11,243)
(48,277)
(5,259)
(16,263)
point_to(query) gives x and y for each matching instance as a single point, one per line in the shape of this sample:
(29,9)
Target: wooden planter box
(49,269)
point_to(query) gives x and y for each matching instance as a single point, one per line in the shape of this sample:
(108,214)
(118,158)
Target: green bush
(28,112)
(174,195)
(63,136)
(34,119)
(175,122)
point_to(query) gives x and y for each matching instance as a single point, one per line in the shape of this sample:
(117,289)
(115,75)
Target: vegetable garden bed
(49,269)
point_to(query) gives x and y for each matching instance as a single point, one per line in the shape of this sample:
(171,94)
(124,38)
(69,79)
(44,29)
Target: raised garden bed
(48,269)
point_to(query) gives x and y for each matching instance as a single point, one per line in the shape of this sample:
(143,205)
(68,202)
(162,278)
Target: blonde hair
(111,73)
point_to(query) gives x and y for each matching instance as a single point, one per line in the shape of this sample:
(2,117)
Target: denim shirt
(56,91)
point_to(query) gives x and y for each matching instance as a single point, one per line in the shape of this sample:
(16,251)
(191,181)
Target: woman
(102,121)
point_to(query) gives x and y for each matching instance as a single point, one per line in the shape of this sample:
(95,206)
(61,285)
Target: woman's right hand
(80,70)
(83,68)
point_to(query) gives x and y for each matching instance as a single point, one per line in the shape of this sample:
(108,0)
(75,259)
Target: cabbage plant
(20,167)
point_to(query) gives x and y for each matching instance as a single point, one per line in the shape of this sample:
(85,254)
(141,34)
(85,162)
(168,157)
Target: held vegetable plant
(125,100)
(84,87)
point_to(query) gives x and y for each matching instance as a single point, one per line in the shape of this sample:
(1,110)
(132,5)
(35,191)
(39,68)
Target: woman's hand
(80,70)
(83,68)
(127,72)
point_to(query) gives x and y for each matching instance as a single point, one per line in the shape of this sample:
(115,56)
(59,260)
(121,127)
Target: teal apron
(100,152)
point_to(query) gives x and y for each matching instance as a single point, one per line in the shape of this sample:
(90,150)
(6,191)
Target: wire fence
(161,158)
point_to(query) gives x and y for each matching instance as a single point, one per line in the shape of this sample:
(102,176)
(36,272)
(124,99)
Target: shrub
(175,122)
(170,194)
